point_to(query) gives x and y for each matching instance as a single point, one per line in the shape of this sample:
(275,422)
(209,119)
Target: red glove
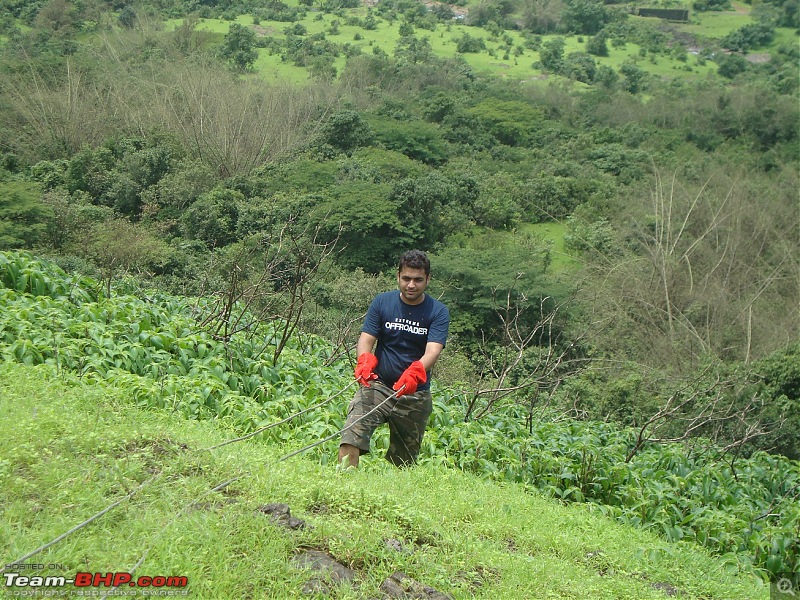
(366,362)
(411,377)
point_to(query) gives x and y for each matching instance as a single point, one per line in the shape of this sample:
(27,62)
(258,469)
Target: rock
(315,587)
(400,585)
(326,564)
(667,588)
(397,546)
(276,510)
(281,515)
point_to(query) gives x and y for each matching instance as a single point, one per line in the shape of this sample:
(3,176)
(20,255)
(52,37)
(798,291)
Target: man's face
(412,284)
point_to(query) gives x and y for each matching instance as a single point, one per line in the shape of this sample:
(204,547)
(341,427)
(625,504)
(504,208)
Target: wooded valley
(610,201)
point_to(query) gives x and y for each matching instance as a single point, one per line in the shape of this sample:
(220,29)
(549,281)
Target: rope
(217,488)
(286,420)
(177,515)
(154,477)
(226,483)
(87,521)
(341,431)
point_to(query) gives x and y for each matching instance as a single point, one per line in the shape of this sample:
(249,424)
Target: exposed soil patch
(397,546)
(150,451)
(476,578)
(263,31)
(400,585)
(158,447)
(328,572)
(668,589)
(758,58)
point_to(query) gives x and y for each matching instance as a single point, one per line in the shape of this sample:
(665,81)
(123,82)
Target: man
(410,329)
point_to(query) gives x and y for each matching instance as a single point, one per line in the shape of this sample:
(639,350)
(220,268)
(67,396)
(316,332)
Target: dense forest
(616,233)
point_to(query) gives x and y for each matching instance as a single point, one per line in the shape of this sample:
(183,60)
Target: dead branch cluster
(267,284)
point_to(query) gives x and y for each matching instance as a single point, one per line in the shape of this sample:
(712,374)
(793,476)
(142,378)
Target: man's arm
(366,343)
(432,352)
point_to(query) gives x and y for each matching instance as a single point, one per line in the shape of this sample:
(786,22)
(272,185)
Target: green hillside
(675,50)
(199,201)
(72,448)
(131,390)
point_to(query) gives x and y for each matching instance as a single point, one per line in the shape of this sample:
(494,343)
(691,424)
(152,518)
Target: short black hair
(415,259)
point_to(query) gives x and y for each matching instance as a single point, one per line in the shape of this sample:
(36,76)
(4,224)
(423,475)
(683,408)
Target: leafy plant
(745,508)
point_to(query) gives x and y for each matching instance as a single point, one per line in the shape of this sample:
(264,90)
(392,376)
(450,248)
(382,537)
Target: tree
(238,47)
(437,107)
(233,125)
(634,78)
(700,270)
(322,68)
(370,22)
(779,386)
(416,139)
(266,278)
(345,131)
(551,55)
(118,246)
(58,115)
(213,217)
(585,16)
(596,45)
(711,5)
(410,49)
(529,362)
(706,406)
(731,65)
(748,36)
(369,226)
(467,43)
(406,29)
(606,76)
(486,11)
(432,206)
(23,216)
(59,16)
(127,17)
(580,66)
(478,276)
(511,122)
(542,16)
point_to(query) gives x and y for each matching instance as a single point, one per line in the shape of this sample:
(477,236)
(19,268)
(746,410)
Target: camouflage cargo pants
(407,417)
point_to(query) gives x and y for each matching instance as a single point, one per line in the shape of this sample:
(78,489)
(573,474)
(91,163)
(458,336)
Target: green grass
(785,35)
(715,24)
(70,449)
(443,42)
(562,259)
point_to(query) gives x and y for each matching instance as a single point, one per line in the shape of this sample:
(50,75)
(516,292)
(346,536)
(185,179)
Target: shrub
(467,43)
(731,65)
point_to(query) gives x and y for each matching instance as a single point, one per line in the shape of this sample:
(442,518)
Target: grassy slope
(69,450)
(553,233)
(714,25)
(443,43)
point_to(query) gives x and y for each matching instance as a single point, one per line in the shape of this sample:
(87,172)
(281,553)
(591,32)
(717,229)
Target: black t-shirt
(403,330)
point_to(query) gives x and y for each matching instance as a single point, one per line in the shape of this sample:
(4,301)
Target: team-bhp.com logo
(152,586)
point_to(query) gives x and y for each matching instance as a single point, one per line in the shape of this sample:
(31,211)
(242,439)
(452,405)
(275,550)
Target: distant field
(444,38)
(716,24)
(553,233)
